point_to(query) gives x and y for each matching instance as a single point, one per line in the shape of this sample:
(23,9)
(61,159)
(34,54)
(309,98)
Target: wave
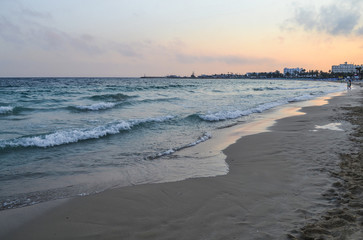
(109,105)
(96,106)
(193,117)
(72,136)
(205,137)
(6,109)
(118,97)
(281,88)
(13,110)
(217,91)
(158,87)
(170,86)
(262,89)
(301,98)
(160,100)
(225,115)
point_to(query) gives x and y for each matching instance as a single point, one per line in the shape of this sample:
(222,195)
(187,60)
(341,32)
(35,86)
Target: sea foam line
(205,137)
(72,136)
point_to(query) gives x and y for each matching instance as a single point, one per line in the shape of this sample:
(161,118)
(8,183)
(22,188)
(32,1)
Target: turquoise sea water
(61,137)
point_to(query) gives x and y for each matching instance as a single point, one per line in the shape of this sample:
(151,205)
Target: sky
(133,38)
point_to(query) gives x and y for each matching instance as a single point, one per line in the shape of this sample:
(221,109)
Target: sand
(299,180)
(344,220)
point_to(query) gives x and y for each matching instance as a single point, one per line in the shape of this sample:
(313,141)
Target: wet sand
(344,219)
(289,182)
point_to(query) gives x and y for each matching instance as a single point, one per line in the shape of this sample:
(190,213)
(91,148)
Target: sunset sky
(130,38)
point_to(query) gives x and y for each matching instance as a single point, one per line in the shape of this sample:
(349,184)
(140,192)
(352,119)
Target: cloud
(35,14)
(337,21)
(227,59)
(360,31)
(148,48)
(84,44)
(24,33)
(23,27)
(9,31)
(34,31)
(337,18)
(126,50)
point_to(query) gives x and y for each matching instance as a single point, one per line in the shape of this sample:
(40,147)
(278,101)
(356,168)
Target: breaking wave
(96,106)
(6,109)
(225,115)
(72,136)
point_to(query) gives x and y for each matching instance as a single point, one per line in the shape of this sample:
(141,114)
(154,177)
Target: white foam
(301,98)
(296,88)
(97,106)
(281,88)
(330,126)
(6,109)
(225,115)
(203,138)
(168,152)
(71,136)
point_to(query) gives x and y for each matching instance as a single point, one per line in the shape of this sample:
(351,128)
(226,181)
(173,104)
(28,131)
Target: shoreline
(344,219)
(175,207)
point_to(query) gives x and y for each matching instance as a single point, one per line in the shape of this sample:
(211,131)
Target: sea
(66,137)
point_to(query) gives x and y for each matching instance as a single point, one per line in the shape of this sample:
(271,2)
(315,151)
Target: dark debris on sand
(345,221)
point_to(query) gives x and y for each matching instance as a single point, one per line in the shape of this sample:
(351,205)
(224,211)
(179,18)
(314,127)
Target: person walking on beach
(349,83)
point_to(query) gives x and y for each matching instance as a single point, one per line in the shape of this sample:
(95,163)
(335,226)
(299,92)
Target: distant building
(345,68)
(292,71)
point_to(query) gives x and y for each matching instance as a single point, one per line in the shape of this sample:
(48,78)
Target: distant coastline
(267,75)
(338,72)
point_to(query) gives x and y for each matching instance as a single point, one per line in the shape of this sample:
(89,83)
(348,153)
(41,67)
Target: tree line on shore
(311,74)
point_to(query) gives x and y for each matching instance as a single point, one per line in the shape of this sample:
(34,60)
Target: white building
(292,71)
(345,68)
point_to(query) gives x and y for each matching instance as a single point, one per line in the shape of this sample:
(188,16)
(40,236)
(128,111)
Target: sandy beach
(301,179)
